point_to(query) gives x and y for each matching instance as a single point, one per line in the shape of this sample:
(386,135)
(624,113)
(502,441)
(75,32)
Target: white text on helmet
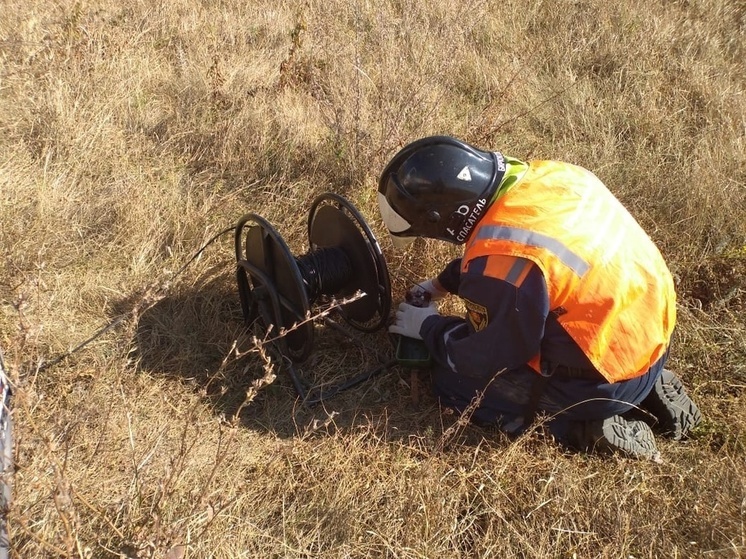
(470,221)
(500,162)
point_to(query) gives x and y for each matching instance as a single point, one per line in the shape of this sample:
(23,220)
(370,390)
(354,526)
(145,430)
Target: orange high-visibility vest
(607,281)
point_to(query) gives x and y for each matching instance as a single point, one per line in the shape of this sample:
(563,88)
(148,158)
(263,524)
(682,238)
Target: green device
(412,353)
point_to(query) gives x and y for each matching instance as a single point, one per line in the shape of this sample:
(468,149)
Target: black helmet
(437,187)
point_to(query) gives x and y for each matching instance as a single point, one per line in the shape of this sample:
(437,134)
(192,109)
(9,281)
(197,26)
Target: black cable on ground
(120,318)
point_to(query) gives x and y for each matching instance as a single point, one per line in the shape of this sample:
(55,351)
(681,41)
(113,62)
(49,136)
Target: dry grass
(132,132)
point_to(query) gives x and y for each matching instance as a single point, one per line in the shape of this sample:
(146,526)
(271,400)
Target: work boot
(672,407)
(629,437)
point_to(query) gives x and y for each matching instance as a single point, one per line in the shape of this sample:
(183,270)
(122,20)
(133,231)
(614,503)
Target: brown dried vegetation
(132,132)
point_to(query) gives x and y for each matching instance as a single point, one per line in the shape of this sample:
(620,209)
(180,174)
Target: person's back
(608,285)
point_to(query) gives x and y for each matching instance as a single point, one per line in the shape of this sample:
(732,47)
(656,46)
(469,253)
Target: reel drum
(280,289)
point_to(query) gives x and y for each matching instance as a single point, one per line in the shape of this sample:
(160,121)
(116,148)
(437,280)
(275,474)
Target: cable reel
(280,289)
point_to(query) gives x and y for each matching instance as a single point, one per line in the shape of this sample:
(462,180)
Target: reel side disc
(276,276)
(335,222)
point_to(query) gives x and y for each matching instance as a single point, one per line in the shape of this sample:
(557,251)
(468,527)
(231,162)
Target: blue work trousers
(560,398)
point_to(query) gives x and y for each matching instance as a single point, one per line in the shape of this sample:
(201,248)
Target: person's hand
(424,292)
(409,319)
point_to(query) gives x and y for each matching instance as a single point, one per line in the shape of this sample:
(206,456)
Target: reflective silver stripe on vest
(516,270)
(531,238)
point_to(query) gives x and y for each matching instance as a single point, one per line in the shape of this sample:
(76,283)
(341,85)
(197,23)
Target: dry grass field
(132,132)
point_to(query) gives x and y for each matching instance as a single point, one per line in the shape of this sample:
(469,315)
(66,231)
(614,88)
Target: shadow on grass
(197,336)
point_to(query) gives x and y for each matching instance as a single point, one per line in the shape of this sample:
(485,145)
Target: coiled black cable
(325,271)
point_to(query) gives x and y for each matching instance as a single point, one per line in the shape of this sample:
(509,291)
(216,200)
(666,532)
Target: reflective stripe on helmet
(392,220)
(394,223)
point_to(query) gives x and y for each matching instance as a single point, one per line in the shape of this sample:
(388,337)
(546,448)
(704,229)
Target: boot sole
(677,414)
(631,437)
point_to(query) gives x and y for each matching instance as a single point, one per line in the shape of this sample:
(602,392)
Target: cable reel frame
(280,289)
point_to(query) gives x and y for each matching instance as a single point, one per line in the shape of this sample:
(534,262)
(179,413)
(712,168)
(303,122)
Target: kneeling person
(570,305)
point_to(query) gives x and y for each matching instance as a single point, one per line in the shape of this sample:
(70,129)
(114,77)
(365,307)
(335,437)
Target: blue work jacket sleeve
(450,277)
(505,332)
